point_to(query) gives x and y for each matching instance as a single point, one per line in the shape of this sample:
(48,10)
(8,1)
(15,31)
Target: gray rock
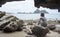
(2,14)
(57,29)
(9,23)
(11,27)
(39,31)
(51,27)
(5,22)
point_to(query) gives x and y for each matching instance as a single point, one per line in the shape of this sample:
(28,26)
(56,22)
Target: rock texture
(51,27)
(4,1)
(39,31)
(9,23)
(52,4)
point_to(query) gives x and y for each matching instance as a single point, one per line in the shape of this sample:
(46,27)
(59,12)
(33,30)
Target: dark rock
(2,14)
(4,24)
(9,23)
(19,28)
(30,23)
(20,24)
(39,31)
(58,21)
(4,1)
(11,27)
(52,4)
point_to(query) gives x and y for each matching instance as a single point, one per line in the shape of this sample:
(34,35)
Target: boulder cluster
(9,23)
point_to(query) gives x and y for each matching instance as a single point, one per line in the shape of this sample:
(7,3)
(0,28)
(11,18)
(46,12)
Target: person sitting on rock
(42,21)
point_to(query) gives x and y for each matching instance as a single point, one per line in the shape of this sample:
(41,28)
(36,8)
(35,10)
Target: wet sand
(14,34)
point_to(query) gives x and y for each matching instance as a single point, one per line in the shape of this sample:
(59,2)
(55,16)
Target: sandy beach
(23,34)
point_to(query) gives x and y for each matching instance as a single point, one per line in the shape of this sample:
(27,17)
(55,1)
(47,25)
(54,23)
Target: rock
(10,23)
(19,28)
(58,21)
(2,14)
(52,4)
(4,1)
(30,23)
(20,24)
(11,27)
(51,27)
(39,31)
(5,22)
(57,29)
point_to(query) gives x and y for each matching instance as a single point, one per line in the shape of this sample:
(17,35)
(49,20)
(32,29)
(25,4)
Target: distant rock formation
(9,23)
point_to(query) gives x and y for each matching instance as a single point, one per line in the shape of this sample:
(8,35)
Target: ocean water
(37,16)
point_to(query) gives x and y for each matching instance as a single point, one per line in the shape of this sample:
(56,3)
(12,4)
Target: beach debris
(39,31)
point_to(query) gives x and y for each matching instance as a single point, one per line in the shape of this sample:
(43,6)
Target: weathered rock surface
(4,1)
(9,23)
(51,27)
(57,29)
(2,14)
(52,4)
(39,31)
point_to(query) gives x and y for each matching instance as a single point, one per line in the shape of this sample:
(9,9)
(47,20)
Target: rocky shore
(21,28)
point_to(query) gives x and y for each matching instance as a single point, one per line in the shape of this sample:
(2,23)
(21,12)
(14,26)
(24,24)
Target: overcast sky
(24,6)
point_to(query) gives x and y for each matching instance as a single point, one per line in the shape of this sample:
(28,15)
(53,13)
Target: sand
(23,34)
(14,34)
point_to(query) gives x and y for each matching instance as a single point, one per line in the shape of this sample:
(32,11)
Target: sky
(24,6)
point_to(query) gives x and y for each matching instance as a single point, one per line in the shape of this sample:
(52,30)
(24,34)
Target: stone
(10,23)
(39,31)
(2,14)
(52,4)
(52,27)
(4,1)
(57,29)
(11,27)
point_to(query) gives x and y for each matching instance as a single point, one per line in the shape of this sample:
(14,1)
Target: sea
(37,16)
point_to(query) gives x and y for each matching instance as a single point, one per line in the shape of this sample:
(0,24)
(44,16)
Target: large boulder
(39,31)
(52,27)
(11,27)
(5,22)
(10,23)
